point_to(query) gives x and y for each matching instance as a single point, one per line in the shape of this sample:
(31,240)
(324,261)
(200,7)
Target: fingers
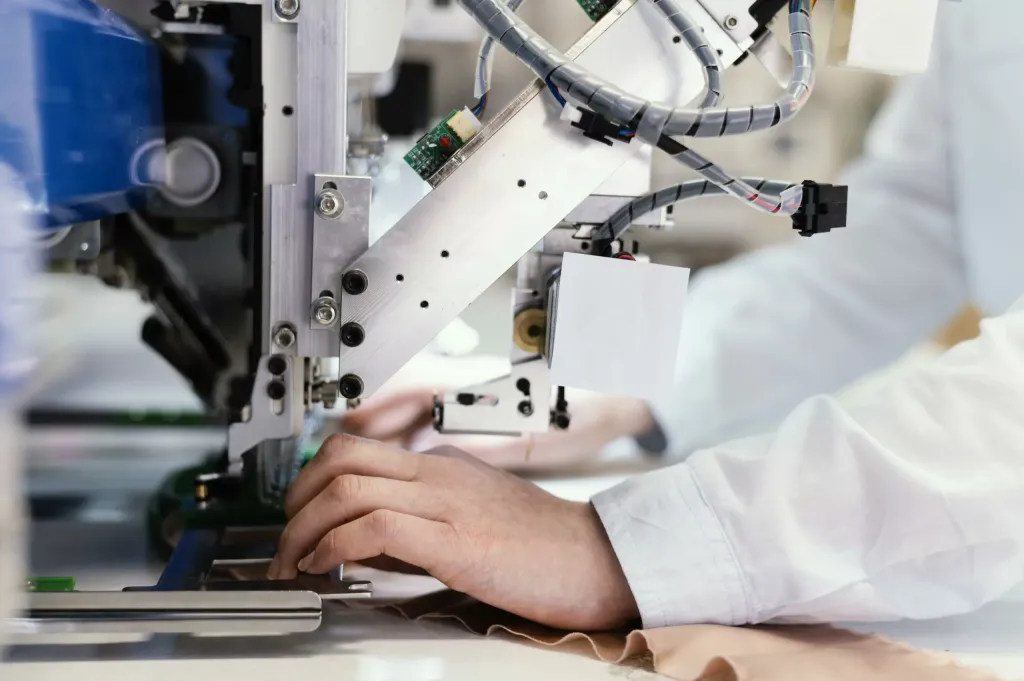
(346,454)
(396,417)
(344,499)
(423,543)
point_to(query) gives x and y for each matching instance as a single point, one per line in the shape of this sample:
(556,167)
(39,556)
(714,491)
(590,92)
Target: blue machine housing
(81,111)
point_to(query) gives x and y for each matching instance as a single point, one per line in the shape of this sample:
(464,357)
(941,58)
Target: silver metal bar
(173,601)
(339,236)
(504,191)
(596,210)
(320,113)
(248,624)
(275,407)
(326,587)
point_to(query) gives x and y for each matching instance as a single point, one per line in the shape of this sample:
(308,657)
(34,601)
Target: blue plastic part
(81,111)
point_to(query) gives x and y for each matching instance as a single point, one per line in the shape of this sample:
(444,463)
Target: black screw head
(352,335)
(526,408)
(350,386)
(354,282)
(277,365)
(276,390)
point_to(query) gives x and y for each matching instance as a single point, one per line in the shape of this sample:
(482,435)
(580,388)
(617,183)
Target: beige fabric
(714,653)
(700,652)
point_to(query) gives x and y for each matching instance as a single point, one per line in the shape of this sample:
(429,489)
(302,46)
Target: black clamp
(824,209)
(599,128)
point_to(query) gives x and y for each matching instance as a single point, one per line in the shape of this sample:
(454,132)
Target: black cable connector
(824,209)
(599,128)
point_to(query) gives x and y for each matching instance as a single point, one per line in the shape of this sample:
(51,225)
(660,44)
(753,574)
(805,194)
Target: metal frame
(305,247)
(186,600)
(317,38)
(503,192)
(270,417)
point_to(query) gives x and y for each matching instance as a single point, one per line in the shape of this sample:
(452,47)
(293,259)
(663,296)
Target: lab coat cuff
(673,551)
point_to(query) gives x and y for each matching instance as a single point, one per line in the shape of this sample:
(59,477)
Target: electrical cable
(485,67)
(693,36)
(614,104)
(787,202)
(621,220)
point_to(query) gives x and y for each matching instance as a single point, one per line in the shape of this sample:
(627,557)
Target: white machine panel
(884,36)
(617,326)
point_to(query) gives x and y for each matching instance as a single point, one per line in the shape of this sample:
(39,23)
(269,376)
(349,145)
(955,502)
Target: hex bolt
(287,9)
(731,22)
(330,204)
(526,408)
(325,311)
(284,336)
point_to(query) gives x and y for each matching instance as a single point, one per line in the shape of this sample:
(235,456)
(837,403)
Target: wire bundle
(655,123)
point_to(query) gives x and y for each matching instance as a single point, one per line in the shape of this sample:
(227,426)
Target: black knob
(277,365)
(354,282)
(276,390)
(352,335)
(350,386)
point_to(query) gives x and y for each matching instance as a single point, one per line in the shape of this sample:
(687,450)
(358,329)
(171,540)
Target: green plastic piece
(596,9)
(434,149)
(50,584)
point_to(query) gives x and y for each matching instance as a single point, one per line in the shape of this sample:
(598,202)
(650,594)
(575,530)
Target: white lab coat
(910,502)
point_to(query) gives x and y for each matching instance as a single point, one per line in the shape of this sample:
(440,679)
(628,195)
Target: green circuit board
(435,148)
(49,584)
(596,9)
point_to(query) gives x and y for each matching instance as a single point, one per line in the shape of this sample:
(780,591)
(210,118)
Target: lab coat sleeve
(768,330)
(908,503)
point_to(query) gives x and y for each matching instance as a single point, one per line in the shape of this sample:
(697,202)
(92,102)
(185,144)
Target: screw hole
(400,277)
(287,110)
(521,183)
(445,254)
(585,247)
(542,196)
(329,185)
(327,294)
(424,304)
(720,53)
(677,40)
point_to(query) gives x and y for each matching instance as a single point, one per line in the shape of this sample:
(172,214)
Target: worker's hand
(399,418)
(405,419)
(479,530)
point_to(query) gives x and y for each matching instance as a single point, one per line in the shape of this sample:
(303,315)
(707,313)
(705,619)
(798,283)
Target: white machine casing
(617,326)
(884,36)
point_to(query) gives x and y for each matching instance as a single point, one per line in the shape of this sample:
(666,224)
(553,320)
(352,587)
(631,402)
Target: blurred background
(97,372)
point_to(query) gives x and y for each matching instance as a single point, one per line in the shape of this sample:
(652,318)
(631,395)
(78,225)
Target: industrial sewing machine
(232,118)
